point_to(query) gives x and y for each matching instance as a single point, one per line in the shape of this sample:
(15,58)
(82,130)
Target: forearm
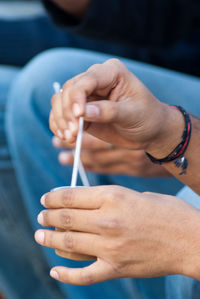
(172,132)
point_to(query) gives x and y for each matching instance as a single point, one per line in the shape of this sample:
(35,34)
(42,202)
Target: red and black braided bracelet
(177,155)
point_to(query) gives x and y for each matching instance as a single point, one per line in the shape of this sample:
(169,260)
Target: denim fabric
(24,269)
(35,159)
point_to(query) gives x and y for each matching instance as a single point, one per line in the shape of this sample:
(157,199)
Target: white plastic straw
(77,153)
(83,175)
(78,166)
(56,87)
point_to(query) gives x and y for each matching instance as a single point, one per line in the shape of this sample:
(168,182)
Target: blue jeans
(35,159)
(24,270)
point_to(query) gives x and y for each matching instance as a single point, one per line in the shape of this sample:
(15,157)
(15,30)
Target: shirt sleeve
(143,23)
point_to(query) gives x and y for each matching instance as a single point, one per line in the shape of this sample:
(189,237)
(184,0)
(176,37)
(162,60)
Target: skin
(131,234)
(77,8)
(100,157)
(119,109)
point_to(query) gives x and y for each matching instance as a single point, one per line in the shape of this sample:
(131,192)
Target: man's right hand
(77,8)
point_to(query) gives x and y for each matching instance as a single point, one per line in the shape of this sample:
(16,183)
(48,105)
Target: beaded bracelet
(177,155)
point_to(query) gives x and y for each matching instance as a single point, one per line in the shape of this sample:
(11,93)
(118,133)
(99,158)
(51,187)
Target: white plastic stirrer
(78,166)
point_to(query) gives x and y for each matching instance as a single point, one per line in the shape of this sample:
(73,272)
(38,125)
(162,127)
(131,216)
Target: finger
(57,112)
(105,158)
(66,158)
(70,219)
(74,256)
(107,111)
(88,143)
(92,143)
(111,167)
(59,143)
(52,125)
(74,198)
(99,271)
(96,158)
(74,242)
(99,79)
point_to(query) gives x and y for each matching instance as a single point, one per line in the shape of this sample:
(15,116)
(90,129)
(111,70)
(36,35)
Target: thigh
(19,275)
(36,160)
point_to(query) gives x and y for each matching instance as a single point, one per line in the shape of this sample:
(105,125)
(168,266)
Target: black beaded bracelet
(177,155)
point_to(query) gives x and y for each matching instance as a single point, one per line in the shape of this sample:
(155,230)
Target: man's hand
(120,110)
(100,157)
(77,8)
(117,108)
(131,234)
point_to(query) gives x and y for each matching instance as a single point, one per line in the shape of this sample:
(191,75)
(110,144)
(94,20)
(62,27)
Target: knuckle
(94,67)
(68,197)
(111,111)
(68,84)
(66,220)
(62,123)
(111,225)
(68,241)
(115,62)
(114,194)
(110,194)
(86,278)
(45,215)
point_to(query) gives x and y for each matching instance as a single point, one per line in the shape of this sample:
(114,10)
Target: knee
(35,81)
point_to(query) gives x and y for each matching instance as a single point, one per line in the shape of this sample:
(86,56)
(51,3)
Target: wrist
(171,126)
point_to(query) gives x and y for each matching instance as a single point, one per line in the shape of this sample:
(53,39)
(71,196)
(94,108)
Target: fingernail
(68,134)
(72,126)
(40,218)
(65,157)
(92,111)
(43,200)
(76,110)
(60,134)
(39,236)
(54,274)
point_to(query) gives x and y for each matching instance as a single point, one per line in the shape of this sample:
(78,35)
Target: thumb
(97,272)
(101,112)
(111,112)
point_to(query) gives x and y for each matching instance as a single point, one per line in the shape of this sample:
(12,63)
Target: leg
(33,165)
(21,271)
(36,160)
